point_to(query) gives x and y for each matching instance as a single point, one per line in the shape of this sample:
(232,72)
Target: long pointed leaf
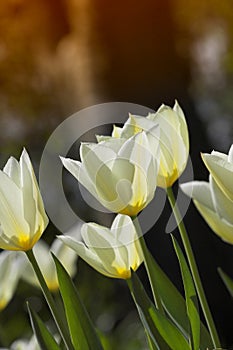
(156,320)
(83,334)
(173,301)
(44,337)
(151,344)
(191,298)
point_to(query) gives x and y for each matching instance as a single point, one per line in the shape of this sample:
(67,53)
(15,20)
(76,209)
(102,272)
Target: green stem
(194,269)
(50,301)
(146,255)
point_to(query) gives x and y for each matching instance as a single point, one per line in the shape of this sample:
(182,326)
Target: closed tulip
(112,252)
(220,166)
(11,269)
(119,173)
(173,140)
(215,207)
(22,214)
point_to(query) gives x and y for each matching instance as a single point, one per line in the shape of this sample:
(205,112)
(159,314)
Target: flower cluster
(122,172)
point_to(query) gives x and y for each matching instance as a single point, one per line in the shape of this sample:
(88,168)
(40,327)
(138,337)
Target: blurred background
(59,56)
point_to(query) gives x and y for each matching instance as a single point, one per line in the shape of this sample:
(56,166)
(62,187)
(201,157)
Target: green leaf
(191,298)
(156,321)
(82,331)
(151,344)
(44,337)
(173,302)
(227,281)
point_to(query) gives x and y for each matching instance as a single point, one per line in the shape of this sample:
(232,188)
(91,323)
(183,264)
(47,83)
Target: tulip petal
(116,132)
(77,169)
(86,254)
(223,205)
(94,154)
(123,229)
(183,126)
(11,212)
(221,171)
(111,252)
(28,191)
(199,191)
(112,143)
(12,169)
(230,154)
(219,225)
(11,267)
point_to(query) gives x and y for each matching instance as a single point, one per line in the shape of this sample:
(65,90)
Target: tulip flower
(220,166)
(112,252)
(47,266)
(215,207)
(11,269)
(174,140)
(22,214)
(119,173)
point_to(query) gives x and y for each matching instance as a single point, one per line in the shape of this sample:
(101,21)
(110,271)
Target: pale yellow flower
(220,166)
(22,214)
(46,263)
(173,140)
(11,268)
(112,252)
(119,173)
(215,207)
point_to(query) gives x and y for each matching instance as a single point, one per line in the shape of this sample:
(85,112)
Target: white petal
(199,191)
(123,229)
(86,254)
(230,154)
(77,169)
(11,266)
(97,236)
(220,226)
(11,208)
(222,172)
(223,205)
(29,192)
(12,169)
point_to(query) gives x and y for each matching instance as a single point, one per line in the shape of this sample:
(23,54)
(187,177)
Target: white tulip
(11,269)
(22,214)
(112,252)
(173,140)
(119,173)
(220,166)
(215,207)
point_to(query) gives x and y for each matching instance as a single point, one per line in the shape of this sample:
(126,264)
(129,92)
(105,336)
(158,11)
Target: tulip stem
(194,269)
(50,301)
(148,265)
